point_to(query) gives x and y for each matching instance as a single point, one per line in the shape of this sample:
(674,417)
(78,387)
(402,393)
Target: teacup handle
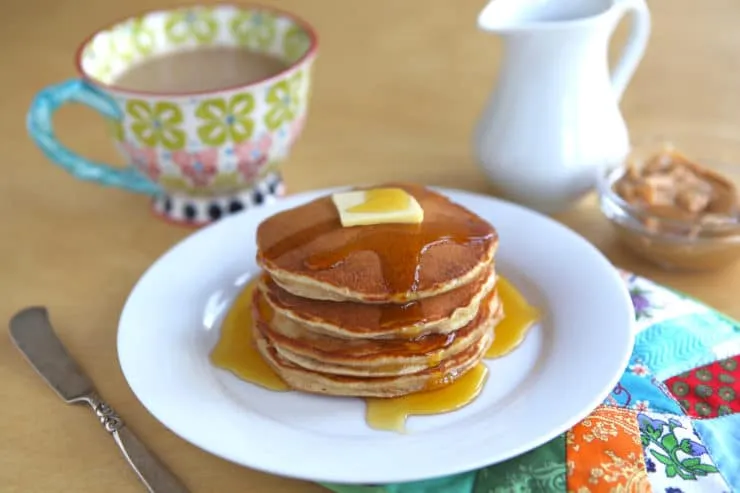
(41,130)
(636,43)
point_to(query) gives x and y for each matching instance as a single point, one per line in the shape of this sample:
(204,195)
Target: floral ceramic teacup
(200,155)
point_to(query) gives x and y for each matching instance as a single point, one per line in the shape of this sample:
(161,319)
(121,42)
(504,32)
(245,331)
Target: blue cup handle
(40,128)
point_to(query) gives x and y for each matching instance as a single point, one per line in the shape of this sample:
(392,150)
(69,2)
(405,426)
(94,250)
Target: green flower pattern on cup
(284,100)
(226,120)
(124,42)
(198,24)
(255,30)
(120,48)
(142,36)
(156,124)
(295,43)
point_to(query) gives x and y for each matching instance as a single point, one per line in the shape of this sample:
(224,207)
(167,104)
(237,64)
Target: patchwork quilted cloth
(671,425)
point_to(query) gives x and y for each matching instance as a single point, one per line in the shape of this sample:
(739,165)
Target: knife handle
(151,471)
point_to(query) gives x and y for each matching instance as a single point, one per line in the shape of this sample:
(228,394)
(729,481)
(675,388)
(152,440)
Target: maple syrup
(391,414)
(431,345)
(383,200)
(519,316)
(401,320)
(412,314)
(401,259)
(235,352)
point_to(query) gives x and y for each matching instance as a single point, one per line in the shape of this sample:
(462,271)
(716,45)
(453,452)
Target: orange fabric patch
(604,454)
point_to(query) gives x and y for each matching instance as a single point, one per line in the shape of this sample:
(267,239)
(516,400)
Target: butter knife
(31,331)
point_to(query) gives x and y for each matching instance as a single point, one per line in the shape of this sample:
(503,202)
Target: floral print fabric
(603,453)
(675,456)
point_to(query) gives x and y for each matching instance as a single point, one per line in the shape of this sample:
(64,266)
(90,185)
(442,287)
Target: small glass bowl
(670,243)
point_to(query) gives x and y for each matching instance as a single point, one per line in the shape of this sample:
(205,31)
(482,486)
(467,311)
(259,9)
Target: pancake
(378,310)
(297,343)
(305,380)
(308,253)
(379,361)
(443,314)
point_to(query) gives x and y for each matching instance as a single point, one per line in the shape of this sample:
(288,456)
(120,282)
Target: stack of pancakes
(375,311)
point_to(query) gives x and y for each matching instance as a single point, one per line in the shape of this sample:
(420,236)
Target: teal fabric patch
(681,344)
(638,389)
(721,436)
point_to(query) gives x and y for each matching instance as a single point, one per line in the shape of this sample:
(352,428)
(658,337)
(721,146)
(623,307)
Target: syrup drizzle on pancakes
(235,352)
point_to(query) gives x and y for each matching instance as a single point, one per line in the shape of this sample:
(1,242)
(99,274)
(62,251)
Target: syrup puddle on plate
(235,352)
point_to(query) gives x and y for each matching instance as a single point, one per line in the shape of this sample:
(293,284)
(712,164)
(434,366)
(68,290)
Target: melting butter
(383,200)
(377,206)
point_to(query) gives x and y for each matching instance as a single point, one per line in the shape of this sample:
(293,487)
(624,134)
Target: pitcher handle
(41,130)
(636,43)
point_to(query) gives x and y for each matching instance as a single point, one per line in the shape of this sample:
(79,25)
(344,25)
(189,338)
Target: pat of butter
(377,206)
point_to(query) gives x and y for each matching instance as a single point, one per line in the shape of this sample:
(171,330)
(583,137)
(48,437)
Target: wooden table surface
(397,90)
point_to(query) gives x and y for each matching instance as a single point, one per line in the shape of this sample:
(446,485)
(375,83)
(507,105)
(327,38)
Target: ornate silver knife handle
(153,473)
(32,333)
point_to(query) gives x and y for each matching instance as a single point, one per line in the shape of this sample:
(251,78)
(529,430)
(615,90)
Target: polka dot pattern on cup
(197,211)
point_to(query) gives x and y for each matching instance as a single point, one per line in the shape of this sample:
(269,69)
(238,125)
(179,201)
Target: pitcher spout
(501,16)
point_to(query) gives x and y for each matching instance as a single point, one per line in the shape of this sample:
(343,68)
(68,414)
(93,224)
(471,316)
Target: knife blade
(32,333)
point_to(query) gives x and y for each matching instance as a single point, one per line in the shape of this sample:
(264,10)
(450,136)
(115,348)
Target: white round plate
(564,369)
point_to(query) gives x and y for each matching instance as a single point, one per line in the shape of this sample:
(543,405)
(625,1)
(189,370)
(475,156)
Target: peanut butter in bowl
(674,210)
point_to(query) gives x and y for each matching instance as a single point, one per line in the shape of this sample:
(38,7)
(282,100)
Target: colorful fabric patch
(672,347)
(675,457)
(603,453)
(638,389)
(722,439)
(542,469)
(710,391)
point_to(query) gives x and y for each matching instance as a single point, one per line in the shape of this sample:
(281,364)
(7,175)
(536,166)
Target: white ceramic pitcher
(553,122)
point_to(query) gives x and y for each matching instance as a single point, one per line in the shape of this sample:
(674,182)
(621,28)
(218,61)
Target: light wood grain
(397,91)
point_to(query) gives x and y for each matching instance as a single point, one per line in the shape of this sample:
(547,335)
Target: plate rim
(302,197)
